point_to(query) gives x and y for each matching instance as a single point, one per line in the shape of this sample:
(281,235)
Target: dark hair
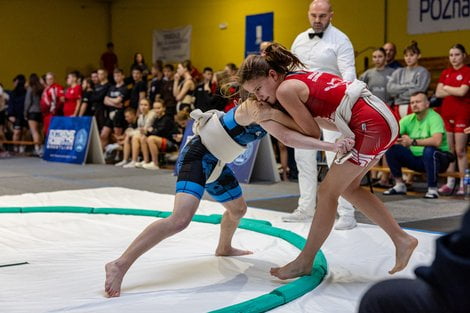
(35,84)
(75,73)
(135,59)
(118,70)
(94,72)
(419,93)
(160,100)
(232,67)
(381,50)
(20,85)
(413,48)
(275,57)
(137,69)
(130,110)
(207,68)
(169,66)
(460,47)
(110,45)
(187,65)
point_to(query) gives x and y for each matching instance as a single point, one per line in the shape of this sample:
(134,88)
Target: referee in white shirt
(323,48)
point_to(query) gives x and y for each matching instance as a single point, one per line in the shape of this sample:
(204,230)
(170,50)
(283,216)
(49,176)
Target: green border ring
(269,301)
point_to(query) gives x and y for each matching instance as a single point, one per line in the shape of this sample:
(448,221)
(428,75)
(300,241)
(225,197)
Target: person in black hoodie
(159,137)
(443,287)
(16,109)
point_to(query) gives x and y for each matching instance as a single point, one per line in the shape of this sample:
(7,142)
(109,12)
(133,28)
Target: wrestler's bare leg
(235,210)
(185,207)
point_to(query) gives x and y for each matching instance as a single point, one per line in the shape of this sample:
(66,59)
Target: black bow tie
(312,35)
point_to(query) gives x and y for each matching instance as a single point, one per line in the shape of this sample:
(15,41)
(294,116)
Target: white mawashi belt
(216,139)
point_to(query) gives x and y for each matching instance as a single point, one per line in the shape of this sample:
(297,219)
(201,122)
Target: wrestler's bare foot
(231,252)
(114,275)
(296,268)
(404,249)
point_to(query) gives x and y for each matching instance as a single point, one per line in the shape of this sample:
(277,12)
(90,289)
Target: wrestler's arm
(290,94)
(294,139)
(326,124)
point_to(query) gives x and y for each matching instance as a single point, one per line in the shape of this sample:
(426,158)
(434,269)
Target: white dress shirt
(333,53)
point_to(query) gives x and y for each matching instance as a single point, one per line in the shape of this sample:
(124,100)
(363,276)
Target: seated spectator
(422,147)
(130,115)
(183,86)
(167,89)
(32,111)
(181,119)
(442,287)
(115,102)
(231,70)
(52,100)
(159,137)
(139,88)
(73,95)
(139,63)
(133,142)
(205,90)
(156,84)
(16,110)
(407,80)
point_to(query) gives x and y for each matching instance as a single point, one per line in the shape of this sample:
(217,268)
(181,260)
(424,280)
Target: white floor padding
(67,252)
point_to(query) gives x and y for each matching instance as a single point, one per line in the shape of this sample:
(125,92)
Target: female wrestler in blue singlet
(199,161)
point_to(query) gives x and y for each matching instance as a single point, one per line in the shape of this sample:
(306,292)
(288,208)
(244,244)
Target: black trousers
(402,296)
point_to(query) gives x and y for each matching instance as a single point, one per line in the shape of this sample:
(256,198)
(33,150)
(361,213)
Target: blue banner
(68,138)
(259,28)
(242,166)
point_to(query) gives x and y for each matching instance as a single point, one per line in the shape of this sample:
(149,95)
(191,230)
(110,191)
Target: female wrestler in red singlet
(319,100)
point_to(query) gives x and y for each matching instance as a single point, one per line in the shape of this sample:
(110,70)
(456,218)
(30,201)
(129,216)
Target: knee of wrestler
(240,211)
(326,193)
(180,222)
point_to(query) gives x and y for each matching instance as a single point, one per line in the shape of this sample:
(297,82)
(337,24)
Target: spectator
(100,91)
(377,78)
(183,86)
(195,74)
(32,111)
(73,95)
(205,90)
(133,141)
(52,100)
(160,137)
(441,287)
(167,89)
(94,78)
(181,119)
(390,52)
(109,61)
(139,63)
(453,86)
(407,80)
(85,107)
(16,109)
(231,92)
(4,97)
(139,88)
(422,146)
(130,116)
(156,84)
(322,48)
(115,102)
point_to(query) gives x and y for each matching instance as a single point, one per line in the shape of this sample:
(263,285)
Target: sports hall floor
(19,175)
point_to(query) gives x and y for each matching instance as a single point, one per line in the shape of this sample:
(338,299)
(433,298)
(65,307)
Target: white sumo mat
(67,252)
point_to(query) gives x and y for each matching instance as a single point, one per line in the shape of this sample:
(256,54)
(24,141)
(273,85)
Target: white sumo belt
(216,139)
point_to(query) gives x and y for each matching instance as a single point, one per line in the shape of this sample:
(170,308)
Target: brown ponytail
(413,48)
(275,57)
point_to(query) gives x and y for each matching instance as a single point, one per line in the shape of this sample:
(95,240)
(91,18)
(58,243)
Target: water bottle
(466,184)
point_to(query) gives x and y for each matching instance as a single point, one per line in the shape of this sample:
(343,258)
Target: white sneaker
(131,164)
(122,163)
(139,164)
(345,222)
(297,216)
(151,166)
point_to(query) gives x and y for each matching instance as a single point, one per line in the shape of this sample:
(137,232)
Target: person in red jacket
(52,100)
(73,95)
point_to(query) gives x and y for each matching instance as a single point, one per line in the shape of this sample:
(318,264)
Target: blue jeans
(432,162)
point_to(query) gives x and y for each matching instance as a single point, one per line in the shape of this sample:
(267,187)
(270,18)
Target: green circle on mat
(268,301)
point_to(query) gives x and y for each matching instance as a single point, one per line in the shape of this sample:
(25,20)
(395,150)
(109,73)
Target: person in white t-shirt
(322,47)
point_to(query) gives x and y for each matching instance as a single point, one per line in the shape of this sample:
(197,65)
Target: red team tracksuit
(72,94)
(455,111)
(51,103)
(372,132)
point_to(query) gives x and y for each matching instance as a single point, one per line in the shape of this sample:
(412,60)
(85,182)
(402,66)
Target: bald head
(319,15)
(390,50)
